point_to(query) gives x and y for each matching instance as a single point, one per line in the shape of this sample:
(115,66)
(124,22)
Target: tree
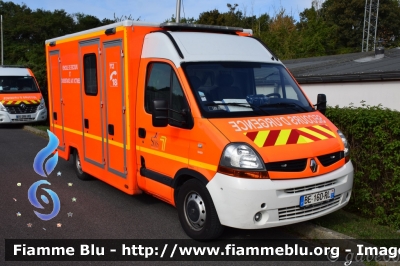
(316,37)
(346,19)
(282,37)
(85,22)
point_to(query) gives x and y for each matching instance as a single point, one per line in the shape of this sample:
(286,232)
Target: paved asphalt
(100,211)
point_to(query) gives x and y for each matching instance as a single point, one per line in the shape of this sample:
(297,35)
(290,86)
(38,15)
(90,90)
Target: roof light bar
(199,27)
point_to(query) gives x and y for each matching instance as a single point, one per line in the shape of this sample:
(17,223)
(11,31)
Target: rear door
(92,102)
(56,97)
(114,99)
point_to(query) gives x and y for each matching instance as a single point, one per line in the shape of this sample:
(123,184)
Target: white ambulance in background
(20,98)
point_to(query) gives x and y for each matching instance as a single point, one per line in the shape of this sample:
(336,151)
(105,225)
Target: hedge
(373,133)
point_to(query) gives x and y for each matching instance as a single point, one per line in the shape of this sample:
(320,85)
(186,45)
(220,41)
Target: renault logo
(23,106)
(313,165)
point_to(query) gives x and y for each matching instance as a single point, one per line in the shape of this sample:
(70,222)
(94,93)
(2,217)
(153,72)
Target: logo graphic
(154,141)
(32,198)
(313,165)
(40,158)
(43,165)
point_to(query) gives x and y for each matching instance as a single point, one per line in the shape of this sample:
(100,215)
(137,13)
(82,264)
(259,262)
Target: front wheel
(196,211)
(78,168)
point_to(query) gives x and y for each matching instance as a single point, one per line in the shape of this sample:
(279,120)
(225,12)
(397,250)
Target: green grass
(359,227)
(41,127)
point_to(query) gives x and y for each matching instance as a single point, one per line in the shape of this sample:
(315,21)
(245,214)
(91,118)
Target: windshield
(17,84)
(240,89)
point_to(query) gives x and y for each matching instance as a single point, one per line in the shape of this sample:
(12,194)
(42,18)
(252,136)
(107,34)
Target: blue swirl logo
(32,198)
(43,154)
(44,163)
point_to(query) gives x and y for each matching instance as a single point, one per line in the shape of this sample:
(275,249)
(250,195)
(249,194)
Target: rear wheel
(78,168)
(196,211)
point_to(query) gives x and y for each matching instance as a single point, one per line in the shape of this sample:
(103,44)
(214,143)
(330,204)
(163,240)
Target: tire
(196,211)
(78,168)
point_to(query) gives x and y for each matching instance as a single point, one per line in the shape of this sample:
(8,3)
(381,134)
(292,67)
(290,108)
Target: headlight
(240,160)
(2,108)
(41,105)
(346,145)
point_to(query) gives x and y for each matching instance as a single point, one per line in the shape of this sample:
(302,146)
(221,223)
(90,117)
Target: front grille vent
(294,212)
(311,187)
(287,166)
(331,158)
(17,109)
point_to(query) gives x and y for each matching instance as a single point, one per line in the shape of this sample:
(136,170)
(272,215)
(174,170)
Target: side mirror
(321,103)
(159,116)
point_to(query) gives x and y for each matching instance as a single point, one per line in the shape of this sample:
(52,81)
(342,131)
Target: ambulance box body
(205,118)
(20,98)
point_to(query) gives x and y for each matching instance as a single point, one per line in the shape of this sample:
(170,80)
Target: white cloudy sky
(160,10)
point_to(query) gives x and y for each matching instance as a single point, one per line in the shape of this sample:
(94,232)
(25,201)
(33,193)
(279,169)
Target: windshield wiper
(233,104)
(248,105)
(285,105)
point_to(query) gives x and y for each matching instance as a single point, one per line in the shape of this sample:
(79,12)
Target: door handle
(142,133)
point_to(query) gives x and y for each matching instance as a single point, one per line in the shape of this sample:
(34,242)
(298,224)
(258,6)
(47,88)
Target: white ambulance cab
(20,98)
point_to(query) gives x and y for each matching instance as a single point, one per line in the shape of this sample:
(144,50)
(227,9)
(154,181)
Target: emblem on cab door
(313,165)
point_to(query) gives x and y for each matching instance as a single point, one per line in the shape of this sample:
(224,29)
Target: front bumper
(237,200)
(7,118)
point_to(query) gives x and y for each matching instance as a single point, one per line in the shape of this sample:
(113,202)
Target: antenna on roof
(2,57)
(370,23)
(178,11)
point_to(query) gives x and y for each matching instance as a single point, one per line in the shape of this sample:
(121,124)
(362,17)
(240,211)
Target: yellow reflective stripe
(303,140)
(27,102)
(312,133)
(112,142)
(163,154)
(178,158)
(283,137)
(326,131)
(9,102)
(203,165)
(68,129)
(18,102)
(261,137)
(115,143)
(93,136)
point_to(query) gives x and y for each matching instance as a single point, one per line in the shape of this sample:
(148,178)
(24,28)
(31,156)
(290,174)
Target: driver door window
(163,84)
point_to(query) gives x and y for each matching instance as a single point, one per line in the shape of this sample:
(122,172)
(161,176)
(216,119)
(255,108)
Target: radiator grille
(332,158)
(294,212)
(311,187)
(22,119)
(17,109)
(287,166)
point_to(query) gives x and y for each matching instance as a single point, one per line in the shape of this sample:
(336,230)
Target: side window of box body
(90,74)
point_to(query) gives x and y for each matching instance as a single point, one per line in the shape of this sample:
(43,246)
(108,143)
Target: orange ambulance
(205,118)
(20,98)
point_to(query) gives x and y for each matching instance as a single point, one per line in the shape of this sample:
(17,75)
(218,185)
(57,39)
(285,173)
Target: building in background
(373,77)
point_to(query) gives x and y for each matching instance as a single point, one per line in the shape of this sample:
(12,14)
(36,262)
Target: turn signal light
(243,174)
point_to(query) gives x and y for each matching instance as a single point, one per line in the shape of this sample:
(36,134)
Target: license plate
(317,197)
(23,116)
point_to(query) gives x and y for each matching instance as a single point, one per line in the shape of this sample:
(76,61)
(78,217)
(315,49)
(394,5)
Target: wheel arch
(184,175)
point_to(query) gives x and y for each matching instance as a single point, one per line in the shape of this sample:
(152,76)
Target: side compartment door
(92,107)
(114,99)
(56,97)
